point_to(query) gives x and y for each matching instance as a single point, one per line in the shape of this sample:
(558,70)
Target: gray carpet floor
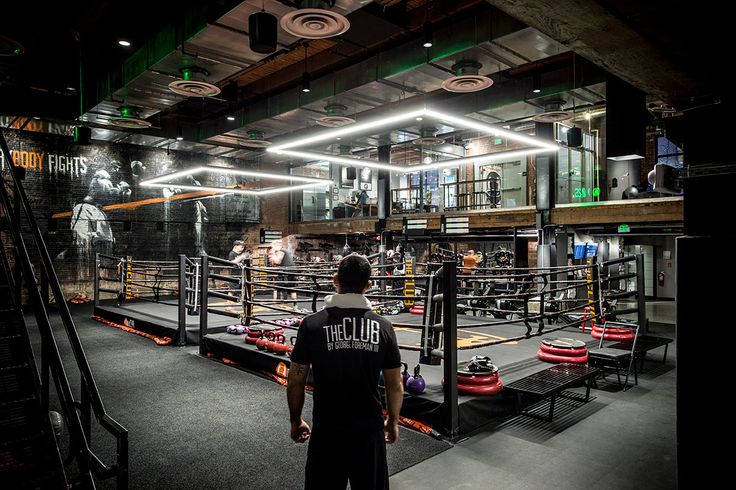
(619,440)
(196,423)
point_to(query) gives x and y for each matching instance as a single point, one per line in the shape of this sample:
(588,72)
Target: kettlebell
(290,348)
(415,384)
(261,342)
(405,374)
(271,341)
(279,345)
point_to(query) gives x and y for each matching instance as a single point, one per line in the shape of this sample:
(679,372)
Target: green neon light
(126,111)
(624,228)
(583,192)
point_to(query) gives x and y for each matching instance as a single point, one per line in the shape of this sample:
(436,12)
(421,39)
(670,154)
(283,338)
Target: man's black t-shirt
(232,255)
(347,345)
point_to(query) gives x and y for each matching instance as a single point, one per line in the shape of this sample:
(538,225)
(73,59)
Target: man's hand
(300,431)
(391,428)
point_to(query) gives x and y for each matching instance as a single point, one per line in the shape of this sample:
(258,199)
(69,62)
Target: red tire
(251,340)
(583,351)
(480,390)
(613,330)
(556,359)
(613,336)
(417,310)
(476,380)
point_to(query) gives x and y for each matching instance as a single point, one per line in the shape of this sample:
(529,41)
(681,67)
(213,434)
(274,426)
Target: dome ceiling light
(314,20)
(466,78)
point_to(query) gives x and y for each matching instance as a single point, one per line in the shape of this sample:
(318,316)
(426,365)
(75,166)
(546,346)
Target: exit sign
(623,228)
(584,192)
(497,141)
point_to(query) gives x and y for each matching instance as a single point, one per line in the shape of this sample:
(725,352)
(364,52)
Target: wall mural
(87,200)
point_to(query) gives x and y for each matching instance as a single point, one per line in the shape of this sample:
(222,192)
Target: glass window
(577,172)
(669,153)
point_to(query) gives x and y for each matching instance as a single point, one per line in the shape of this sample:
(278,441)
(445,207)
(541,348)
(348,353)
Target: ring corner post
(96,290)
(641,304)
(182,301)
(248,291)
(449,320)
(203,294)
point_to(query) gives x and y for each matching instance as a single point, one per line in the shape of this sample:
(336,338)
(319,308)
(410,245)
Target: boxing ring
(144,297)
(453,318)
(504,320)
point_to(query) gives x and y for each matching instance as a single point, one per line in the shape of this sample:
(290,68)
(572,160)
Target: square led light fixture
(300,148)
(168,180)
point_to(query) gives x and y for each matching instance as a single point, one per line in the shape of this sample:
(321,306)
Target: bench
(551,382)
(644,344)
(608,356)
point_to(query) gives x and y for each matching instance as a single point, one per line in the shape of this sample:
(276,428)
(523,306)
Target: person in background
(346,345)
(470,262)
(363,205)
(281,257)
(238,254)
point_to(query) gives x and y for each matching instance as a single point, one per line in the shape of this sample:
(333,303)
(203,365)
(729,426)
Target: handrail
(90,393)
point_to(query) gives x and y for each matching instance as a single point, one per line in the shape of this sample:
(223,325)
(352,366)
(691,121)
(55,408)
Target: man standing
(237,255)
(280,256)
(347,346)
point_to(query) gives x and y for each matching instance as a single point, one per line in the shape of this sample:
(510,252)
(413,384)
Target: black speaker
(263,32)
(82,135)
(574,137)
(351,173)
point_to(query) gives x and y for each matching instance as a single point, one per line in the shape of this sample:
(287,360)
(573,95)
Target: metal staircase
(30,452)
(29,456)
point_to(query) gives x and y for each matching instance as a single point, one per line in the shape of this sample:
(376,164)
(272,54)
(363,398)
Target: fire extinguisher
(660,279)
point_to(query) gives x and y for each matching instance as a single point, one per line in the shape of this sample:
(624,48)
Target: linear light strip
(227,190)
(472,124)
(350,129)
(465,123)
(340,160)
(229,171)
(489,157)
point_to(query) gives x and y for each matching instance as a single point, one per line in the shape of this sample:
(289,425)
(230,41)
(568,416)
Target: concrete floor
(619,440)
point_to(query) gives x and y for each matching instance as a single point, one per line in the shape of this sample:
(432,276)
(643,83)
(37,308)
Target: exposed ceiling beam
(593,32)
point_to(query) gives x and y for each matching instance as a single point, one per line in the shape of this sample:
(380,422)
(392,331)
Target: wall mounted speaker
(575,137)
(263,32)
(82,135)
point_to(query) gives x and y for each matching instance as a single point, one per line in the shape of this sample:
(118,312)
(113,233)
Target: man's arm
(295,395)
(277,257)
(394,399)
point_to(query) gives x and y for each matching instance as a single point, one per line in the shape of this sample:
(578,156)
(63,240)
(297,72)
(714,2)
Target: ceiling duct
(263,32)
(129,118)
(255,140)
(335,116)
(314,20)
(553,112)
(428,138)
(661,109)
(193,84)
(466,78)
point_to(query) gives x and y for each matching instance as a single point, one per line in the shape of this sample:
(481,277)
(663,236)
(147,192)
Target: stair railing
(78,413)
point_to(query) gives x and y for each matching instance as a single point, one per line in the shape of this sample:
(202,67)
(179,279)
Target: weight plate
(563,343)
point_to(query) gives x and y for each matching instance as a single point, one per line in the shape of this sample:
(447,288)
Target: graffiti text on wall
(51,163)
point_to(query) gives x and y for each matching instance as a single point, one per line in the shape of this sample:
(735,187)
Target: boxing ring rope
(133,277)
(439,327)
(439,343)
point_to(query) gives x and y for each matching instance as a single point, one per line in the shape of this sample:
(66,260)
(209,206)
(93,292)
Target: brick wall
(62,178)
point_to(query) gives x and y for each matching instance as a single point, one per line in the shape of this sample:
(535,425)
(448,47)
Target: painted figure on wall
(199,211)
(91,231)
